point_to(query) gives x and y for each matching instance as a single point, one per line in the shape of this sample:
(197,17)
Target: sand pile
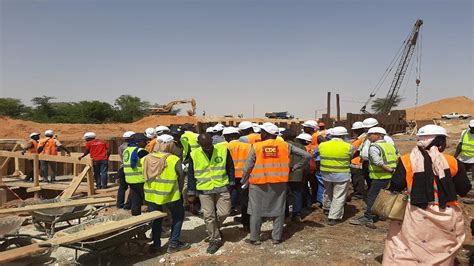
(461,104)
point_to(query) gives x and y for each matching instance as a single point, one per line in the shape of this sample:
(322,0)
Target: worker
(433,227)
(298,178)
(217,137)
(160,130)
(99,152)
(364,148)
(189,136)
(123,186)
(151,136)
(239,152)
(210,172)
(50,146)
(383,159)
(357,176)
(248,135)
(164,180)
(336,155)
(322,129)
(210,131)
(31,147)
(133,169)
(465,148)
(311,127)
(266,175)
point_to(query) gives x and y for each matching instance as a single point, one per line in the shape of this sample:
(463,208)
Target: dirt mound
(460,104)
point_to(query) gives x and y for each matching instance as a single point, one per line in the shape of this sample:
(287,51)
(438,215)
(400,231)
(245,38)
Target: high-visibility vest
(356,161)
(272,164)
(191,139)
(335,156)
(467,148)
(49,146)
(239,152)
(389,157)
(314,139)
(254,138)
(279,138)
(212,173)
(453,169)
(185,145)
(34,148)
(164,188)
(132,175)
(149,147)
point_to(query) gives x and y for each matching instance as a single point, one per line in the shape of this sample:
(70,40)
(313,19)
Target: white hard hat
(219,127)
(210,130)
(34,134)
(357,125)
(305,136)
(370,122)
(256,127)
(339,131)
(128,134)
(89,135)
(230,130)
(161,129)
(377,130)
(471,123)
(270,128)
(281,129)
(150,132)
(311,123)
(49,133)
(432,130)
(245,125)
(165,138)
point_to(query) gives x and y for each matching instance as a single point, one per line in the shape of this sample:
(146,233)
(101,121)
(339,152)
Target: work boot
(332,222)
(253,242)
(214,246)
(180,247)
(45,180)
(154,249)
(361,221)
(296,219)
(276,241)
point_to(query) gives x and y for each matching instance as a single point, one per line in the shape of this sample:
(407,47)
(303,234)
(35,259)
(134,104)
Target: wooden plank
(69,203)
(9,157)
(76,181)
(36,170)
(93,231)
(33,189)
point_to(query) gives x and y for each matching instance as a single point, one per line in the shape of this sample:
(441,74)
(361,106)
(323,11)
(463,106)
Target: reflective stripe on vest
(163,189)
(467,148)
(132,175)
(49,146)
(210,174)
(453,168)
(254,138)
(272,164)
(239,152)
(191,139)
(335,156)
(389,157)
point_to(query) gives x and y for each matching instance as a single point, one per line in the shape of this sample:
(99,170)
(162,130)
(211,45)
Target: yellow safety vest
(132,175)
(210,174)
(191,139)
(164,188)
(335,156)
(467,147)
(389,156)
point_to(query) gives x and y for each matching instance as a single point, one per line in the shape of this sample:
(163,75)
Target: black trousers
(244,203)
(123,186)
(358,182)
(365,172)
(138,196)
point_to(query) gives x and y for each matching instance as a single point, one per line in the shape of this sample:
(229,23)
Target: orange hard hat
(321,124)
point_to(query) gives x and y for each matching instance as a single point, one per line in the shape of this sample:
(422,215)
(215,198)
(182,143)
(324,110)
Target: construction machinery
(168,109)
(280,115)
(404,57)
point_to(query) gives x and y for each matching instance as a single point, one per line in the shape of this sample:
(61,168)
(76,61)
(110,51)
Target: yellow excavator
(166,110)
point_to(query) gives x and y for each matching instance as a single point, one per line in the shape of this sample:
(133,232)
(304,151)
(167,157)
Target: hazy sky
(230,55)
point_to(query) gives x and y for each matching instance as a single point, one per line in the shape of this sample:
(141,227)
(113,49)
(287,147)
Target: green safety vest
(389,156)
(467,147)
(191,139)
(132,175)
(210,174)
(335,156)
(164,188)
(185,145)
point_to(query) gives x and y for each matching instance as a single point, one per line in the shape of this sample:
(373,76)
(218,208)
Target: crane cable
(418,69)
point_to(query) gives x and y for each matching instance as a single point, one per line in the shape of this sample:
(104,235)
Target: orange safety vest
(356,144)
(254,138)
(49,146)
(239,152)
(272,164)
(453,168)
(33,149)
(314,140)
(149,147)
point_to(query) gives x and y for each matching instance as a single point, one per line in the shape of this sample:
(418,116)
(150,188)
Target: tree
(130,108)
(13,107)
(44,109)
(379,104)
(96,111)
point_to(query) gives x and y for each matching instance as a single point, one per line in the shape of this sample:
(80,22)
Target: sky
(234,57)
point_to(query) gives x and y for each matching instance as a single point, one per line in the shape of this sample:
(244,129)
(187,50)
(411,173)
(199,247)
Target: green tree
(130,108)
(379,104)
(43,108)
(13,108)
(97,112)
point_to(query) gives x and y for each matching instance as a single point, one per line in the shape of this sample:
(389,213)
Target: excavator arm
(169,107)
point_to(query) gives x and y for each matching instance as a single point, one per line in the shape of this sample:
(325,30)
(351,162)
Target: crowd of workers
(270,173)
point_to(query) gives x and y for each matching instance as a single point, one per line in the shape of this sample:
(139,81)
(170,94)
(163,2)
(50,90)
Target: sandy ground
(435,110)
